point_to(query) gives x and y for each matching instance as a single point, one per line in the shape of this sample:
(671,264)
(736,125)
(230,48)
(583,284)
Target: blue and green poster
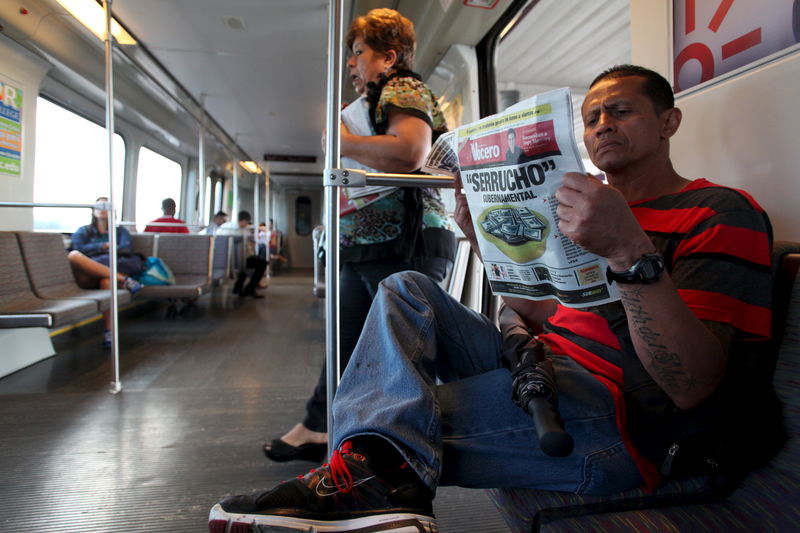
(10,129)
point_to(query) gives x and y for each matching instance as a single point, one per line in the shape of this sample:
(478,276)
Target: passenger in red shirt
(168,207)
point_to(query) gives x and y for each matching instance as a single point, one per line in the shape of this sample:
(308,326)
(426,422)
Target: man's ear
(671,121)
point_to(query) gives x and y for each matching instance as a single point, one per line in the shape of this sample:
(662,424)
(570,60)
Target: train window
(218,196)
(204,214)
(157,177)
(574,41)
(302,216)
(71,166)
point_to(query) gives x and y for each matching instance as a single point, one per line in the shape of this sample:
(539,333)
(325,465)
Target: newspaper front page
(356,117)
(511,165)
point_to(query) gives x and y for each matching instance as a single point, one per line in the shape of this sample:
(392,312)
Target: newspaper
(356,117)
(510,165)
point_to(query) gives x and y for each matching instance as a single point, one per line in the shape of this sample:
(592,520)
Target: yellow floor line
(90,320)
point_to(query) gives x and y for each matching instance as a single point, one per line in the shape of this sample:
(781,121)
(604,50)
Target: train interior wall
(21,67)
(740,132)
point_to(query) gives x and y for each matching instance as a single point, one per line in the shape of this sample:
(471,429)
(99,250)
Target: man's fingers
(578,181)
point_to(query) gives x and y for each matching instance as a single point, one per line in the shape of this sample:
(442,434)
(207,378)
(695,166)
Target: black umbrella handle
(553,438)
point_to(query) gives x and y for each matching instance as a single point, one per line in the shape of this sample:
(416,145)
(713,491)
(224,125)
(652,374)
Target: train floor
(200,394)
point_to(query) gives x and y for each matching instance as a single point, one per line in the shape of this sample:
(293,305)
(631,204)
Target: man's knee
(403,281)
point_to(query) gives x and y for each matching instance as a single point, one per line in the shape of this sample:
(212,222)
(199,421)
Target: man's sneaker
(132,285)
(345,495)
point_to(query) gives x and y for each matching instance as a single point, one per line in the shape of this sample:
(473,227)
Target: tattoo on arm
(665,364)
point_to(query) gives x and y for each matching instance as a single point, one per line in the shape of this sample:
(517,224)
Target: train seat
(765,501)
(144,243)
(190,259)
(219,263)
(51,275)
(19,305)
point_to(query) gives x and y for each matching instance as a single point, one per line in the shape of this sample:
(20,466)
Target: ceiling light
(93,16)
(250,166)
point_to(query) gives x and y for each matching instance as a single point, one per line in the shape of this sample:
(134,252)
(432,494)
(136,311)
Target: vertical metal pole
(201,164)
(267,192)
(332,119)
(256,208)
(235,185)
(116,385)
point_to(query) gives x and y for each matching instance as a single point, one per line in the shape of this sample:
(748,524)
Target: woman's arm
(81,241)
(402,149)
(124,241)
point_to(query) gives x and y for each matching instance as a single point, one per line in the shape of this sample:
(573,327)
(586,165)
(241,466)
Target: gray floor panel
(201,392)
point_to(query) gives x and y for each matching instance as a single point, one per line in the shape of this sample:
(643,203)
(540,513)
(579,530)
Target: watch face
(646,269)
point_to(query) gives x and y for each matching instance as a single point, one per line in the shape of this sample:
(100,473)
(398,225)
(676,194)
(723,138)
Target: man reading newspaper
(691,260)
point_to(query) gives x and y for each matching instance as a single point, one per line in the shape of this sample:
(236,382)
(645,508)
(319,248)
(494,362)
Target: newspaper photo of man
(514,153)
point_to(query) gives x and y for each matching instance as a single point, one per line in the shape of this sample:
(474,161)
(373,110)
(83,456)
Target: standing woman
(89,259)
(406,230)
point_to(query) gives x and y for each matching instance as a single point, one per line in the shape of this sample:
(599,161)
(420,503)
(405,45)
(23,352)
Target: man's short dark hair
(245,215)
(168,204)
(655,86)
(220,214)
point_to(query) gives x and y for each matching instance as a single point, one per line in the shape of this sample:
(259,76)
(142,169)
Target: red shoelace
(340,473)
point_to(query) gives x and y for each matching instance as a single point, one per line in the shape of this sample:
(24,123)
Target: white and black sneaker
(346,495)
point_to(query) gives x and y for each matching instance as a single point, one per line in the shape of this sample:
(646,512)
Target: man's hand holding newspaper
(530,202)
(590,212)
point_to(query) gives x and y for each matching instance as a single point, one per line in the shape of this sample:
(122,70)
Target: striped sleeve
(717,242)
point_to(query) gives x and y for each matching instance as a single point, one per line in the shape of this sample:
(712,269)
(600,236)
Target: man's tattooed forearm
(666,365)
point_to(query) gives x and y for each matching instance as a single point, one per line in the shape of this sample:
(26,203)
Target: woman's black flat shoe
(279,451)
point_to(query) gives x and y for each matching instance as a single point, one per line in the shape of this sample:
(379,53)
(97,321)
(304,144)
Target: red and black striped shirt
(716,242)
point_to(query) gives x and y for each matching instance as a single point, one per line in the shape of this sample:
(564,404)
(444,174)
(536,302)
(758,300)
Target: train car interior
(136,410)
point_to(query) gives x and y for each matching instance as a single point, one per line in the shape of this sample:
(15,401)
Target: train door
(302,215)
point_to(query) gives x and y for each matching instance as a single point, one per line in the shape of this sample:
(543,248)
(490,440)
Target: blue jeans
(358,284)
(427,375)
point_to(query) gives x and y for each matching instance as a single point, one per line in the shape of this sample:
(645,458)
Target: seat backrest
(219,265)
(785,261)
(457,276)
(45,259)
(186,254)
(15,277)
(238,256)
(143,243)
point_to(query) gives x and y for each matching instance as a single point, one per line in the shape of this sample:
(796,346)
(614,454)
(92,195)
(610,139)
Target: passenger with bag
(89,259)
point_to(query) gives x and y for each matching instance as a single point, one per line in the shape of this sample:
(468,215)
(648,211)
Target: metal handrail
(349,177)
(101,205)
(161,224)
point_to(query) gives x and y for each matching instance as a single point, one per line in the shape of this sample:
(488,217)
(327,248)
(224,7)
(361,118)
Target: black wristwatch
(646,269)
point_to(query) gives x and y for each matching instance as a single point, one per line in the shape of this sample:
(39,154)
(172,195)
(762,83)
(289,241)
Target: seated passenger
(259,266)
(694,265)
(219,219)
(89,260)
(275,242)
(261,240)
(168,208)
